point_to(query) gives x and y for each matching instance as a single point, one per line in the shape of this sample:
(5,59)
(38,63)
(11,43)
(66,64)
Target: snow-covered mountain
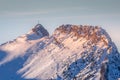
(72,52)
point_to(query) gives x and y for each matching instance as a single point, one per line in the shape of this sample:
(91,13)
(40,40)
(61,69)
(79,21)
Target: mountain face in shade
(72,52)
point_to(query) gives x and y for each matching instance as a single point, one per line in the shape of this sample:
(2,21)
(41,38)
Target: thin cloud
(40,12)
(89,16)
(23,13)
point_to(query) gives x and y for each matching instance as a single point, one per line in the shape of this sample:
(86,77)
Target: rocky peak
(38,29)
(93,33)
(37,32)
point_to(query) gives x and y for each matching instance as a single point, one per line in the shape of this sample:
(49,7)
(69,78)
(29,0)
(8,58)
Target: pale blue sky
(18,16)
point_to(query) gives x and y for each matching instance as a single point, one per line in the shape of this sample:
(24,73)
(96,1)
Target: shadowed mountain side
(9,70)
(2,55)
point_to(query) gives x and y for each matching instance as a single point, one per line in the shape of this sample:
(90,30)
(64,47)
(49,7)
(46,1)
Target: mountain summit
(37,32)
(72,52)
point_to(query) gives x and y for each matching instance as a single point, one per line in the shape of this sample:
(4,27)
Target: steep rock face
(71,52)
(100,56)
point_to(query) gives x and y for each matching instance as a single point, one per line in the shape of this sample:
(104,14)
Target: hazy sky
(18,16)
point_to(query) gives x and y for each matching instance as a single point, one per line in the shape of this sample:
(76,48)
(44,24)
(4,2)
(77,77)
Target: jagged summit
(93,33)
(37,32)
(81,30)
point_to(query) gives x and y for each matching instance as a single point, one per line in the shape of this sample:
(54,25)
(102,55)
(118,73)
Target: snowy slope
(71,52)
(14,53)
(19,46)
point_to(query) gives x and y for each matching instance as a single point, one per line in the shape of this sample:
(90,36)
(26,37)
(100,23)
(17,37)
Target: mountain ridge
(72,52)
